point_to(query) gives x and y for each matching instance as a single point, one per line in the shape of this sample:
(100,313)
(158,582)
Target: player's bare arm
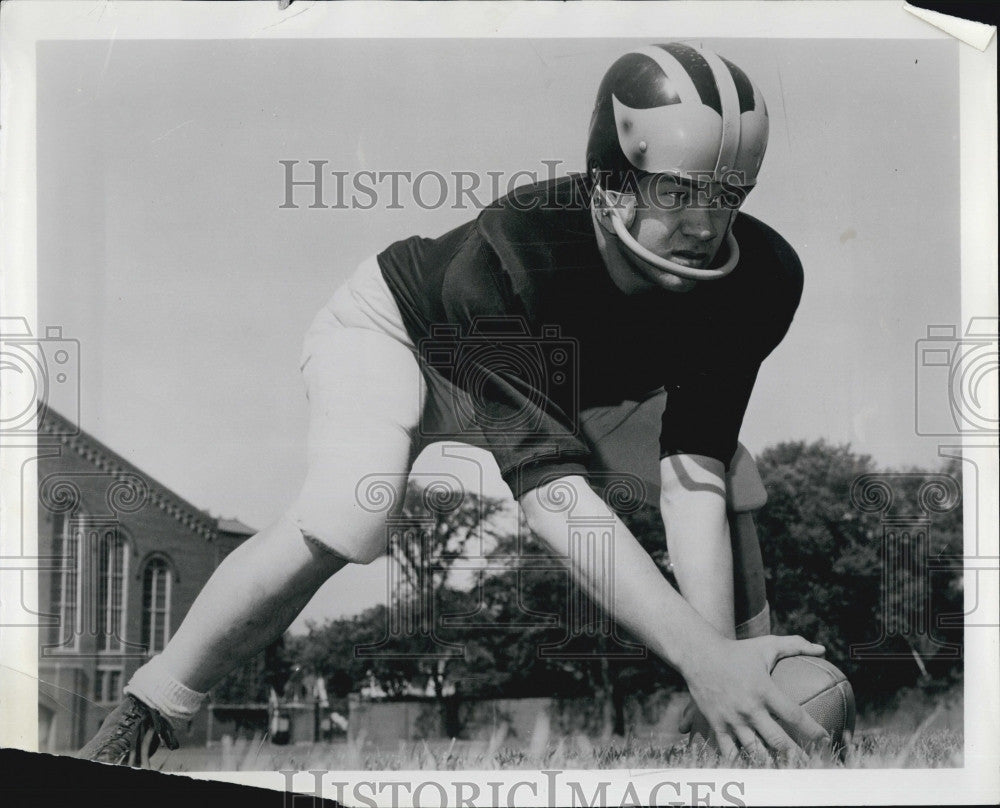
(693,507)
(729,679)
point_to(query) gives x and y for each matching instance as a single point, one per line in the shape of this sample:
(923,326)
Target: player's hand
(741,706)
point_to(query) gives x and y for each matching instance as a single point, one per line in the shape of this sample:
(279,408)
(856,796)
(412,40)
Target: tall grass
(921,733)
(923,749)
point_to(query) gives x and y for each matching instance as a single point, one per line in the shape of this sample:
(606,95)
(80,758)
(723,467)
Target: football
(820,687)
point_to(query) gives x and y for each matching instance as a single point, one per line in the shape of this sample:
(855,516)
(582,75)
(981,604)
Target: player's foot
(129,735)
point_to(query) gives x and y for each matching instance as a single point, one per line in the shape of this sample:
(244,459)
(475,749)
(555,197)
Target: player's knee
(337,524)
(344,552)
(353,543)
(346,511)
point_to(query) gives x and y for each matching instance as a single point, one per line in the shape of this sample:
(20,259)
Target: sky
(164,250)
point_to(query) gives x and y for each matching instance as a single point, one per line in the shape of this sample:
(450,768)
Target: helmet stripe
(744,87)
(729,96)
(679,78)
(693,62)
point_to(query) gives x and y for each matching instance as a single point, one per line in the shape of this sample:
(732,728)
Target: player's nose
(699,224)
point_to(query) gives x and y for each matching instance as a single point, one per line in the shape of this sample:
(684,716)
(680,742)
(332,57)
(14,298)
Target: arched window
(156,605)
(65,581)
(111,576)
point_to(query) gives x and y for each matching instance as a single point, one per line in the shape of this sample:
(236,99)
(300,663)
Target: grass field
(920,748)
(940,748)
(917,734)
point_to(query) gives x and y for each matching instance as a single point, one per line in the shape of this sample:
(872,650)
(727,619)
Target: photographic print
(446,404)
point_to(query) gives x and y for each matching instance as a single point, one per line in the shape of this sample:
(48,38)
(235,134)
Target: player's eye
(675,196)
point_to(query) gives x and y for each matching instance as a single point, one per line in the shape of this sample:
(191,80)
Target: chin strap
(610,208)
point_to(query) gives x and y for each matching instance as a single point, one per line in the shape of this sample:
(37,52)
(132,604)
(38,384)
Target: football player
(601,324)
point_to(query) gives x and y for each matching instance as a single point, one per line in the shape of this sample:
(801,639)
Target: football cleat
(129,735)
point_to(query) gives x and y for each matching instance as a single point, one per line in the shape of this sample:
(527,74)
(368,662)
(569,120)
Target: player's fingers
(794,646)
(778,741)
(728,750)
(803,726)
(750,743)
(704,742)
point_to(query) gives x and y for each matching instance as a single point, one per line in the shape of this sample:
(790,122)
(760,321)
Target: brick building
(123,558)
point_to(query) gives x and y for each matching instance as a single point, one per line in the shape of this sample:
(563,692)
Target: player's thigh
(365,399)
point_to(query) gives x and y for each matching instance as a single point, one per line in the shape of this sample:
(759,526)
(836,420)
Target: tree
(825,558)
(514,609)
(538,652)
(328,650)
(251,682)
(406,643)
(242,692)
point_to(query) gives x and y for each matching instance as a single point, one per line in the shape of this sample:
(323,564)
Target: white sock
(156,688)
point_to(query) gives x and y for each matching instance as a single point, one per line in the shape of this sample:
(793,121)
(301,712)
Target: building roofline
(55,428)
(234,526)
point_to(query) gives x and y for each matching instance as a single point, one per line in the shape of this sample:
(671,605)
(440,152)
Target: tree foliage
(504,631)
(832,577)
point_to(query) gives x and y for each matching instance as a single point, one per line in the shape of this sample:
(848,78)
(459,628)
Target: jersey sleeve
(705,407)
(523,401)
(704,413)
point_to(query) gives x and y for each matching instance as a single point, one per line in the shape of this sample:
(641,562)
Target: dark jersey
(517,308)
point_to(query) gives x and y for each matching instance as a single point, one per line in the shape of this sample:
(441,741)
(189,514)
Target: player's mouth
(696,259)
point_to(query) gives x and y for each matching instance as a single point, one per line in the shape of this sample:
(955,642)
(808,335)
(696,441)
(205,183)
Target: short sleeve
(521,385)
(704,413)
(706,404)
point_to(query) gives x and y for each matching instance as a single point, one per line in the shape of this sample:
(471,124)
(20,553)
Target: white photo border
(24,24)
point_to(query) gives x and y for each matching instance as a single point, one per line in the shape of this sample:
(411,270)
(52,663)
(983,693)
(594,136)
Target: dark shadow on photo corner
(984,11)
(34,778)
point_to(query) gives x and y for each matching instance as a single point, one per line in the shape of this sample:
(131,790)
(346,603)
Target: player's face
(682,223)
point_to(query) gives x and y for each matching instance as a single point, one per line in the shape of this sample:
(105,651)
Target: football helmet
(679,111)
